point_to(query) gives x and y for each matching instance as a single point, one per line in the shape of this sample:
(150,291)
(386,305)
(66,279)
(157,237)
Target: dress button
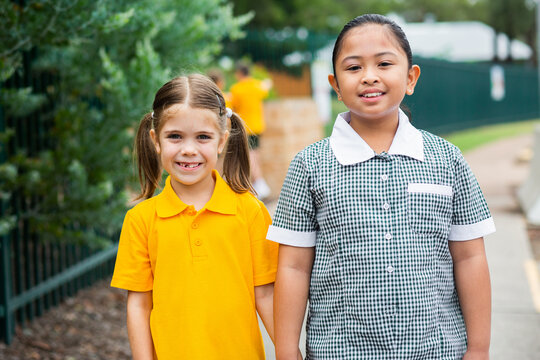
(386,206)
(198,242)
(390,269)
(384,177)
(388,236)
(195,225)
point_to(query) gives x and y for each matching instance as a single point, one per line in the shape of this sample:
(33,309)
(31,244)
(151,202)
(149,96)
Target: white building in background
(460,41)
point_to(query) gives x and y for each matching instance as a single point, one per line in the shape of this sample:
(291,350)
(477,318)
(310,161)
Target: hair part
(199,92)
(377,19)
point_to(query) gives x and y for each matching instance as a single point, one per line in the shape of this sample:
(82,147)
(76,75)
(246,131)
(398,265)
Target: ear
(333,82)
(412,78)
(155,140)
(223,141)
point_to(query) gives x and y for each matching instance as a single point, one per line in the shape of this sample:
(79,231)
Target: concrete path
(514,273)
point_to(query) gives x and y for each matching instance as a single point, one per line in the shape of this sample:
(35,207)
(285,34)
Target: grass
(468,139)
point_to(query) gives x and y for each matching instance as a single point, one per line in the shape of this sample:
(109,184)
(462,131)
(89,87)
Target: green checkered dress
(382,284)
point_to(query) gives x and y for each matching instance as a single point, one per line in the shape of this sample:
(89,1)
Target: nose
(189,148)
(370,76)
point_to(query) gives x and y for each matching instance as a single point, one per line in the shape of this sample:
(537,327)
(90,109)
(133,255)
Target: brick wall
(291,125)
(287,85)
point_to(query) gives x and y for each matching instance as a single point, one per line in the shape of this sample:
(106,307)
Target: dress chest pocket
(429,208)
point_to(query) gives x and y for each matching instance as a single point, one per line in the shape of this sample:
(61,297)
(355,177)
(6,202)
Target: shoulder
(143,210)
(437,146)
(315,152)
(250,206)
(249,201)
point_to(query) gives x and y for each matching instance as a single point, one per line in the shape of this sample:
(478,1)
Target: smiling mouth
(189,165)
(371,95)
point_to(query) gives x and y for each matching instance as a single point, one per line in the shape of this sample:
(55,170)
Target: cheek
(168,152)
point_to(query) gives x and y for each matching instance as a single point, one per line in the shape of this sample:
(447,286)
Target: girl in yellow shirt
(195,259)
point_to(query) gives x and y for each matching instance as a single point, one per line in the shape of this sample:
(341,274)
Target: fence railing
(456,96)
(35,275)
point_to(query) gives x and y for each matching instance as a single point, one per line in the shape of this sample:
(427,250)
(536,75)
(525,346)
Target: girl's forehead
(376,34)
(183,114)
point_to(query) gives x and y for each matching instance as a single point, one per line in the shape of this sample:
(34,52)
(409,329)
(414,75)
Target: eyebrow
(358,57)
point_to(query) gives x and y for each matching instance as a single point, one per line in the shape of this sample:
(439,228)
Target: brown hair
(196,91)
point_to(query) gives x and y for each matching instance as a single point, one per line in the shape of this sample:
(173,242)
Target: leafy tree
(515,18)
(107,59)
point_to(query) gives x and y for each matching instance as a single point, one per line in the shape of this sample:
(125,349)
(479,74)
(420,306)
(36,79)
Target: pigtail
(236,169)
(147,159)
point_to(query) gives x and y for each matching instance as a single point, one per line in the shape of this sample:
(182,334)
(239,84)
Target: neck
(197,195)
(378,134)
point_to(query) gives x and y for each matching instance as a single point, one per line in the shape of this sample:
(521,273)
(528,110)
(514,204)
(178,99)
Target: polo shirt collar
(223,199)
(349,147)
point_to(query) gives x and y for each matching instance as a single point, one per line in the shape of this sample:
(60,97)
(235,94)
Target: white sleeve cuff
(471,231)
(290,237)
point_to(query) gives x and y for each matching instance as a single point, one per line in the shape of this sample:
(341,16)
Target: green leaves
(106,60)
(20,102)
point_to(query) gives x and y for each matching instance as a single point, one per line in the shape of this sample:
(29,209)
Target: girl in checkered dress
(381,225)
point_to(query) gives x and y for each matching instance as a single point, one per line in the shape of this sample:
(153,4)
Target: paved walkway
(514,274)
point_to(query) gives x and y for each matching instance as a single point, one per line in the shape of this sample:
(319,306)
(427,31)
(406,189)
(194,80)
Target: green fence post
(6,313)
(7,320)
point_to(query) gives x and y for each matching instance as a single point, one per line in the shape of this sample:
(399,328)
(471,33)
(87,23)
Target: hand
(476,355)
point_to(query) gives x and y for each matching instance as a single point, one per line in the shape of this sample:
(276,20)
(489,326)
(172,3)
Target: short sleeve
(471,218)
(264,253)
(132,270)
(295,221)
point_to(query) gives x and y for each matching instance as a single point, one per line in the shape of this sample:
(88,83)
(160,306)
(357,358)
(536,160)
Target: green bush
(107,59)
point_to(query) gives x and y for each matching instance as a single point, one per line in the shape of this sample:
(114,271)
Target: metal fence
(455,96)
(35,275)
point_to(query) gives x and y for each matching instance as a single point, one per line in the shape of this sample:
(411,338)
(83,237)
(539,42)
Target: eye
(204,137)
(174,136)
(353,68)
(385,64)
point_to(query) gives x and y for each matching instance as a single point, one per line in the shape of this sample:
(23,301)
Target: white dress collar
(349,147)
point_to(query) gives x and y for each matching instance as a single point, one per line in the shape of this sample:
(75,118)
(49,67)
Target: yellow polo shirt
(202,267)
(246,100)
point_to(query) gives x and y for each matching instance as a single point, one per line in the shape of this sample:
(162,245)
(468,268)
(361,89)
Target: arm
(474,291)
(139,306)
(290,299)
(264,301)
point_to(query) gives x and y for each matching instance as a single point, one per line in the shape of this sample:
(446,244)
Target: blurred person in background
(246,99)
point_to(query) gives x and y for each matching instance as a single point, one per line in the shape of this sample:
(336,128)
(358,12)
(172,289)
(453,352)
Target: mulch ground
(91,325)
